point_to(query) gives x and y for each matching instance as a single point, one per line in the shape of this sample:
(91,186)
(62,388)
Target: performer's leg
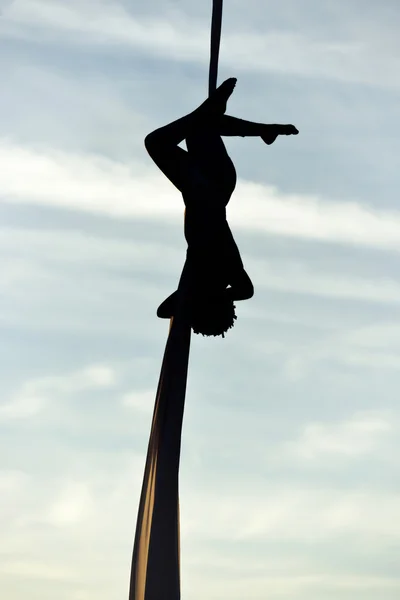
(207,148)
(231,126)
(208,153)
(162,144)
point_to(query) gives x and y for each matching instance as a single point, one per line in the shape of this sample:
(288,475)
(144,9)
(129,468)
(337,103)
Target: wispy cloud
(289,450)
(176,36)
(74,504)
(127,190)
(374,347)
(353,438)
(35,395)
(142,401)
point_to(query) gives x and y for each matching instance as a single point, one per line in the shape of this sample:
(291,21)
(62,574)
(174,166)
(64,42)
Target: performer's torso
(212,252)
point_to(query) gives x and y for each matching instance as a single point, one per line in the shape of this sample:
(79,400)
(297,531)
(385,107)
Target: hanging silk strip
(155,572)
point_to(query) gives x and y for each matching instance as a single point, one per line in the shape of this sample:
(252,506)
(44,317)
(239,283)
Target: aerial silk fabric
(155,572)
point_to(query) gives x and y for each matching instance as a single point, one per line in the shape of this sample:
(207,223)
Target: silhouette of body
(206,177)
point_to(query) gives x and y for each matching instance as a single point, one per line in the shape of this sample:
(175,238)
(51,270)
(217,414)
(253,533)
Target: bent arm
(241,286)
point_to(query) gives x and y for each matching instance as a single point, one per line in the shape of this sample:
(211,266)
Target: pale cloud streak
(354,438)
(139,400)
(35,395)
(176,36)
(289,456)
(374,347)
(97,185)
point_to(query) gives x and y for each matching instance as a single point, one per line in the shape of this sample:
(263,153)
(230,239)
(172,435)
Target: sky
(289,486)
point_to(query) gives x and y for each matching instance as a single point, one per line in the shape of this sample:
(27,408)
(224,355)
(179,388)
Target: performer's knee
(151,141)
(155,140)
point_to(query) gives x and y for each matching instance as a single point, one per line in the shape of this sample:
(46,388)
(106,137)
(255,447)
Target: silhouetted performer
(206,177)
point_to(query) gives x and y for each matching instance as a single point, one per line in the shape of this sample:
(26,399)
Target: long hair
(212,315)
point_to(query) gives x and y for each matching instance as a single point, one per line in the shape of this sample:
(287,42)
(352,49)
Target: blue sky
(289,470)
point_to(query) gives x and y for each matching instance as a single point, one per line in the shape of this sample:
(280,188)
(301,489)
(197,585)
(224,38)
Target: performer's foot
(272,132)
(288,130)
(215,105)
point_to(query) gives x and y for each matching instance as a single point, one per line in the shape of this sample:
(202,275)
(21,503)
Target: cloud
(374,347)
(95,185)
(292,513)
(35,395)
(71,108)
(21,407)
(73,505)
(89,244)
(176,36)
(351,439)
(309,585)
(67,280)
(12,481)
(28,569)
(297,277)
(222,529)
(131,190)
(86,507)
(91,377)
(30,249)
(141,401)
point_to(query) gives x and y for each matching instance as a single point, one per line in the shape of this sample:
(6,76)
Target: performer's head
(212,314)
